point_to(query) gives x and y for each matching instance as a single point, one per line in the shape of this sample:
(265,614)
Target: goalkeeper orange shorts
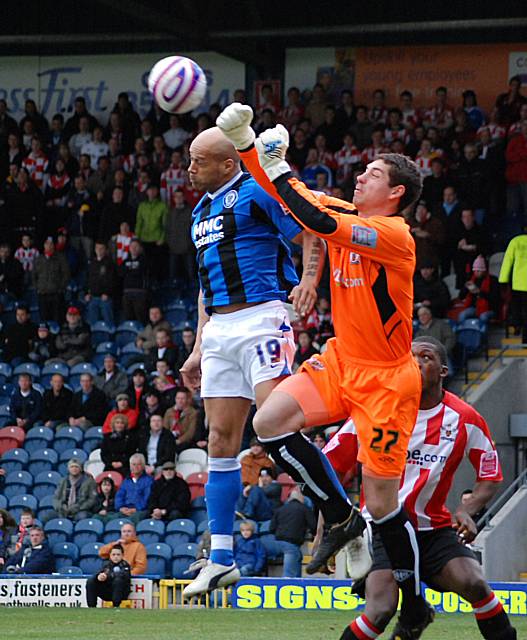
(383,400)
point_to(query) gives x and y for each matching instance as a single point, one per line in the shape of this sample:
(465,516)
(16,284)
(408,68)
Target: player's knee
(475,589)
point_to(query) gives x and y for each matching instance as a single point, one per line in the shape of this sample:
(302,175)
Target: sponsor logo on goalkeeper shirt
(344,281)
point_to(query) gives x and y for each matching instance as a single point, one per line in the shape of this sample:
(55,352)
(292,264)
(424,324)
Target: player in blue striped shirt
(244,343)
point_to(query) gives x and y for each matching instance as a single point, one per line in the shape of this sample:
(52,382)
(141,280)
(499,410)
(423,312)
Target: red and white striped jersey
(441,438)
(27,257)
(122,247)
(438,116)
(411,118)
(497,132)
(390,135)
(371,153)
(172,179)
(37,167)
(424,162)
(346,158)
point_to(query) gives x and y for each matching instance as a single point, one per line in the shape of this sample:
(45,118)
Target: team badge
(354,258)
(230,198)
(488,465)
(364,236)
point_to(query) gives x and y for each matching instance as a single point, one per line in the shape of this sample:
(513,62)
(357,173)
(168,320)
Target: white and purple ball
(178,84)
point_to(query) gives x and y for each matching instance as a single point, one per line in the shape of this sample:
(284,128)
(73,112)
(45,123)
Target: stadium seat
(127,331)
(95,455)
(6,371)
(3,501)
(17,483)
(159,555)
(16,433)
(114,475)
(66,554)
(22,501)
(135,365)
(180,532)
(58,530)
(70,571)
(184,555)
(38,438)
(197,456)
(495,262)
(67,455)
(201,528)
(87,530)
(176,316)
(112,530)
(105,348)
(186,468)
(94,467)
(264,527)
(471,341)
(28,367)
(83,367)
(42,460)
(45,508)
(5,411)
(6,389)
(150,531)
(90,562)
(56,367)
(92,439)
(14,460)
(130,354)
(198,503)
(101,332)
(68,438)
(288,484)
(45,484)
(7,444)
(198,515)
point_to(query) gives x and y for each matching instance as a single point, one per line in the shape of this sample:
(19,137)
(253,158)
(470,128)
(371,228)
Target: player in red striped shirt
(447,430)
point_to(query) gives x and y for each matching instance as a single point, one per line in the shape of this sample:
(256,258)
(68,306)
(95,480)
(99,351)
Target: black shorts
(436,548)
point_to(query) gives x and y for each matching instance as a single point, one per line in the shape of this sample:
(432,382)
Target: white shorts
(243,348)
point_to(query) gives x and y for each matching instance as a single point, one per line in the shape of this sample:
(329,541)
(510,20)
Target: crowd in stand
(95,220)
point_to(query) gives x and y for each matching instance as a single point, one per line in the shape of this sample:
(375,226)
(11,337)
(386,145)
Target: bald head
(213,161)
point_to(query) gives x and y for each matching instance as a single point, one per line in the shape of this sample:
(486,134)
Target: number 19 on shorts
(269,352)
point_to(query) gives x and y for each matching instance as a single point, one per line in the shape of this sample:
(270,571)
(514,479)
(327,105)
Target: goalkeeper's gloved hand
(272,146)
(235,123)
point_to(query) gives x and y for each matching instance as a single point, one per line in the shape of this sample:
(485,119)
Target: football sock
(222,491)
(399,540)
(310,467)
(492,620)
(361,629)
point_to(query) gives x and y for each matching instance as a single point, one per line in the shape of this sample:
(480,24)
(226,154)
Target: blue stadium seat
(3,501)
(92,439)
(28,367)
(38,438)
(68,438)
(177,316)
(202,527)
(42,460)
(45,484)
(66,554)
(87,530)
(126,332)
(101,332)
(58,530)
(184,555)
(6,388)
(150,531)
(107,347)
(90,562)
(83,367)
(14,460)
(180,532)
(198,515)
(67,455)
(56,367)
(70,571)
(131,347)
(17,483)
(5,411)
(6,371)
(199,502)
(22,501)
(264,527)
(135,365)
(45,508)
(159,555)
(112,530)
(471,340)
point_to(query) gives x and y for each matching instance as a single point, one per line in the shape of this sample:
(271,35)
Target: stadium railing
(171,596)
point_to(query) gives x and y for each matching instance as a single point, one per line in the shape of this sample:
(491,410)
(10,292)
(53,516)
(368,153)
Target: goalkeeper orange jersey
(372,261)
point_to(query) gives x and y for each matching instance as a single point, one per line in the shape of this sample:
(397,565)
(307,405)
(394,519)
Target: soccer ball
(178,84)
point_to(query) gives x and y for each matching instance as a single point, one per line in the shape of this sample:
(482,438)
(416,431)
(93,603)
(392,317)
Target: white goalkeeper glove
(272,145)
(235,123)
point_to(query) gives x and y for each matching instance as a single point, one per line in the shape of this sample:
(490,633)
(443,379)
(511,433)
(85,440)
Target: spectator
(470,242)
(182,257)
(508,104)
(104,508)
(120,244)
(132,498)
(181,420)
(170,497)
(271,488)
(472,178)
(35,557)
(118,445)
(516,173)
(514,272)
(112,380)
(175,136)
(157,445)
(362,128)
(480,295)
(254,461)
(113,214)
(82,226)
(152,406)
(134,550)
(51,276)
(429,235)
(137,389)
(73,343)
(7,527)
(113,582)
(56,404)
(290,524)
(43,347)
(96,147)
(133,273)
(173,179)
(165,386)
(123,408)
(249,553)
(435,184)
(80,138)
(440,115)
(129,119)
(449,212)
(150,230)
(100,180)
(188,339)
(164,349)
(253,503)
(21,534)
(76,494)
(299,149)
(26,254)
(475,114)
(11,275)
(436,327)
(19,337)
(146,339)
(89,404)
(319,441)
(80,111)
(312,168)
(430,291)
(101,286)
(25,404)
(305,348)
(37,164)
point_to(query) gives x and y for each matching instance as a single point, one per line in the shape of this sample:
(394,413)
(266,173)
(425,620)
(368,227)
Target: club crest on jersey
(364,236)
(448,432)
(354,258)
(230,199)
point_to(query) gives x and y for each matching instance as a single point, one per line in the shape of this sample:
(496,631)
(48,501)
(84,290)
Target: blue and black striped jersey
(241,253)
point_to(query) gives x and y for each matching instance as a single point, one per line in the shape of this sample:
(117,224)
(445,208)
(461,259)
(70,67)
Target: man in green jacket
(514,271)
(150,229)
